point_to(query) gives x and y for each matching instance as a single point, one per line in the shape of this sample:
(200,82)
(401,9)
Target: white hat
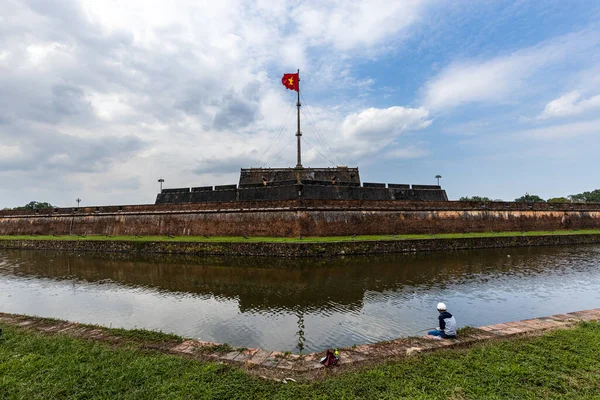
(441,307)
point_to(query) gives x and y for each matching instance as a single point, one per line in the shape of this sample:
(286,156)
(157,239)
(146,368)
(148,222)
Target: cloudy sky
(100,98)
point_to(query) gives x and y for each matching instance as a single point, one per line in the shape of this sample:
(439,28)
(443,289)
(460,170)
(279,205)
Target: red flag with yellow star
(291,81)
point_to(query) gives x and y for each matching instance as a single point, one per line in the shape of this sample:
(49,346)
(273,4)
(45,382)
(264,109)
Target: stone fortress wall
(302,217)
(292,191)
(275,184)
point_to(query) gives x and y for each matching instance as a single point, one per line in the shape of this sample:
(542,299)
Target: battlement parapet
(306,190)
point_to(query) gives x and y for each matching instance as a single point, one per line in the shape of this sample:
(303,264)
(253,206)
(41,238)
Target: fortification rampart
(306,190)
(307,218)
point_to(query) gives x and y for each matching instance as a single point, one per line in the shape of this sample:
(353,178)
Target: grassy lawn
(562,364)
(217,239)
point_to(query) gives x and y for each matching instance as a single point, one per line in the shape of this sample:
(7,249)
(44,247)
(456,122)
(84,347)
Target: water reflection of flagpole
(71,277)
(300,332)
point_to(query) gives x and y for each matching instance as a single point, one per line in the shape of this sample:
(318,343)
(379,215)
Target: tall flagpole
(298,134)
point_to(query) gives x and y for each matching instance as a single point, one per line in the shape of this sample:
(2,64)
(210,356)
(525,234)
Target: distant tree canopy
(586,197)
(34,205)
(530,198)
(474,198)
(559,200)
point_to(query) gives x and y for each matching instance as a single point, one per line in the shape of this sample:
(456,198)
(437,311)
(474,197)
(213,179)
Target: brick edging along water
(299,249)
(376,352)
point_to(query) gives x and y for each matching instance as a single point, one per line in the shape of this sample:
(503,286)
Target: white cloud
(132,91)
(469,128)
(589,78)
(368,132)
(111,106)
(329,137)
(43,54)
(554,134)
(563,131)
(406,153)
(376,124)
(349,25)
(12,152)
(500,79)
(570,104)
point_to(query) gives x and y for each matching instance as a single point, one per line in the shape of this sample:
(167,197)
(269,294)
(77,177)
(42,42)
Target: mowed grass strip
(560,364)
(241,239)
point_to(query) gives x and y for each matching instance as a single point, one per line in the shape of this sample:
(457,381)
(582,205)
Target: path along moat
(281,304)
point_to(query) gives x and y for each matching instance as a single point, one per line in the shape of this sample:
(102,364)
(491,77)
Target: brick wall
(322,190)
(307,218)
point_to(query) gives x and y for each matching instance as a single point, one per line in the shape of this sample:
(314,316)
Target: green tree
(586,197)
(593,196)
(558,200)
(34,205)
(530,198)
(474,198)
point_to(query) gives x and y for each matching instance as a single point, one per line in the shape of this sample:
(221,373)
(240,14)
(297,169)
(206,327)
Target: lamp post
(78,201)
(438,177)
(161,180)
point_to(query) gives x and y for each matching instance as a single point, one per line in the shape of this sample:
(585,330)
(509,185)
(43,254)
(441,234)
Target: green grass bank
(560,364)
(330,239)
(298,247)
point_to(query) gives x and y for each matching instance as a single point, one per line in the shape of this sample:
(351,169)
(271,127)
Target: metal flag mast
(298,134)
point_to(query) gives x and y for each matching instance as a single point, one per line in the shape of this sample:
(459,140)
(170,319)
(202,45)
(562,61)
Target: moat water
(307,304)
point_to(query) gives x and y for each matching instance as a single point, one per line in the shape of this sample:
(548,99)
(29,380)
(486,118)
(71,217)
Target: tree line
(32,205)
(585,197)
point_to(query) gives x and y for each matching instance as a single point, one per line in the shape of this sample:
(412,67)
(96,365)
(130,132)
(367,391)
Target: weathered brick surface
(186,347)
(245,355)
(349,357)
(271,361)
(259,357)
(308,218)
(230,356)
(286,364)
(562,317)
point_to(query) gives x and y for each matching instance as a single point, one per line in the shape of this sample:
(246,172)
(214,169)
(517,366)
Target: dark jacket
(447,324)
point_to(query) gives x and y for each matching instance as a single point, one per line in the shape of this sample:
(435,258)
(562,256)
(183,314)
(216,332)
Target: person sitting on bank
(447,324)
